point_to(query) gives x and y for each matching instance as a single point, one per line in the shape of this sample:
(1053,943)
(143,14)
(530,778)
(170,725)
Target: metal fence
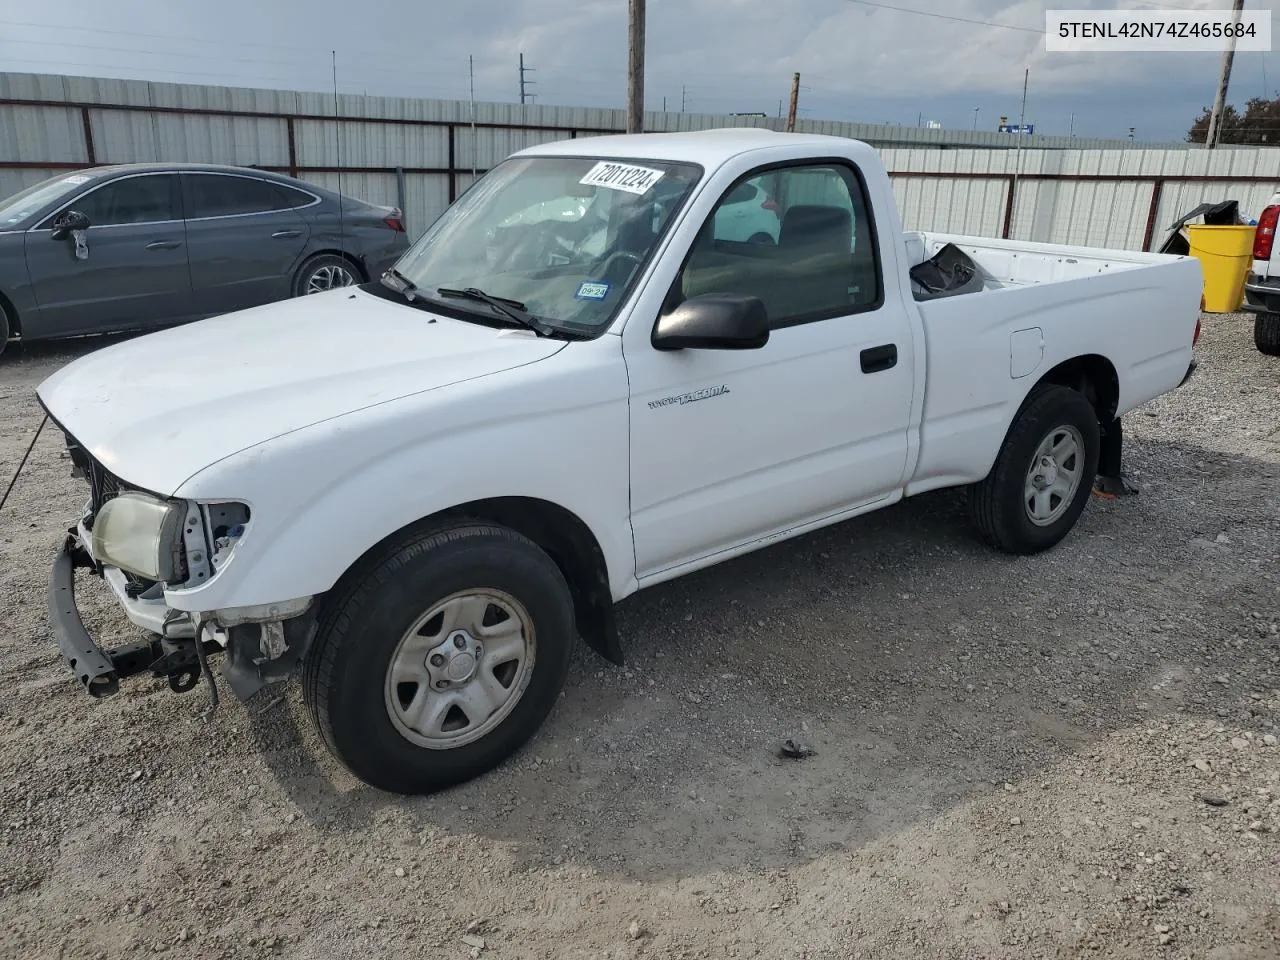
(420,154)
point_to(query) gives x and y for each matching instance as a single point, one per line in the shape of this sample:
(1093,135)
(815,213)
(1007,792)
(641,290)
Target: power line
(945,16)
(275,83)
(317,63)
(1161,4)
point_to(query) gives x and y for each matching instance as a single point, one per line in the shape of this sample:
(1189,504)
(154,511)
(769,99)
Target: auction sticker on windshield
(621,176)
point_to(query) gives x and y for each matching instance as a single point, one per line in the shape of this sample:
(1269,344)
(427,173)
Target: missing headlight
(226,523)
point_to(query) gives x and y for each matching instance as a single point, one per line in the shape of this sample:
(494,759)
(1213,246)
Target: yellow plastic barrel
(1225,254)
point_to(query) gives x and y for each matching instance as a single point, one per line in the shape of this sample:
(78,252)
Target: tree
(1259,124)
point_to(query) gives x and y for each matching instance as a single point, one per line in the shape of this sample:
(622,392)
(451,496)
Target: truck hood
(157,409)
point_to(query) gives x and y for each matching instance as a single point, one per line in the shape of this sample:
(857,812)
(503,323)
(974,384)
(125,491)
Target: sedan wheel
(328,277)
(325,272)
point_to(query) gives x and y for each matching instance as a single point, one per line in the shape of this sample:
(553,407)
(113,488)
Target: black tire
(345,677)
(5,330)
(761,237)
(997,504)
(1266,333)
(321,265)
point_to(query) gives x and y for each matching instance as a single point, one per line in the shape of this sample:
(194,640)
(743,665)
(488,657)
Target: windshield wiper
(511,309)
(400,284)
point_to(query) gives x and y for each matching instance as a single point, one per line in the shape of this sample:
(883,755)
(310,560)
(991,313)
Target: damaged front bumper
(258,653)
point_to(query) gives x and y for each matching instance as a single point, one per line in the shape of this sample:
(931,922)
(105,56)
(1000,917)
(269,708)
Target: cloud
(857,62)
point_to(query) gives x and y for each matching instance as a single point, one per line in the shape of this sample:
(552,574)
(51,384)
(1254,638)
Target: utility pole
(525,83)
(795,97)
(1017,163)
(1022,116)
(635,67)
(975,117)
(682,98)
(1071,128)
(1214,133)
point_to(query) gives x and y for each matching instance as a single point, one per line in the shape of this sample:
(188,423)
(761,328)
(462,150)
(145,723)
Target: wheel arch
(1092,375)
(564,536)
(351,258)
(11,314)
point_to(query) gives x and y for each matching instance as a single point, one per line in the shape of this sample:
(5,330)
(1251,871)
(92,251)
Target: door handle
(875,359)
(164,245)
(286,234)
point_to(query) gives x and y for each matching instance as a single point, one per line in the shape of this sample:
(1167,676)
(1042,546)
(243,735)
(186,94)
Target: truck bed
(1016,263)
(1042,304)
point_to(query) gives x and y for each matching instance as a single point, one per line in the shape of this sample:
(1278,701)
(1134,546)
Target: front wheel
(442,659)
(1043,475)
(1266,333)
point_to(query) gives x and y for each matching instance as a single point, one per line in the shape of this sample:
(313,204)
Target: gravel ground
(1066,755)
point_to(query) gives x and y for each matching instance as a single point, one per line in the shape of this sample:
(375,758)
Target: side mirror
(67,221)
(714,321)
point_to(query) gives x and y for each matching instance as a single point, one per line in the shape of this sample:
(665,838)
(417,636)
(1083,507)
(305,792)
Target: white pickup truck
(421,492)
(1262,285)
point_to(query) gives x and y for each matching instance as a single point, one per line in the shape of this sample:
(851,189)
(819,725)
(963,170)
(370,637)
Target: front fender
(322,497)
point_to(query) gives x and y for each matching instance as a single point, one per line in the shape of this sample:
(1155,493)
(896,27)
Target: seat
(814,257)
(809,271)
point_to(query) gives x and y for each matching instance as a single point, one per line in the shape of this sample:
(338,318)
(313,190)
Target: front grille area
(103,484)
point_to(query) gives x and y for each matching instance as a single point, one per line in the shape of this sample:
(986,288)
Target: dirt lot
(1013,755)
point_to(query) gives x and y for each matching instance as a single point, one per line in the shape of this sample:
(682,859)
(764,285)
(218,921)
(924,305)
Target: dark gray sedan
(146,245)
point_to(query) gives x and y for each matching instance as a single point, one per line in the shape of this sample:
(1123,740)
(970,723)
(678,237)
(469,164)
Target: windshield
(15,209)
(565,236)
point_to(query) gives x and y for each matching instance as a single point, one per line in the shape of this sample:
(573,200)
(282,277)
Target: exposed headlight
(140,534)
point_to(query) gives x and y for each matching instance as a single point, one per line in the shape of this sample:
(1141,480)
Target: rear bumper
(1261,294)
(1190,370)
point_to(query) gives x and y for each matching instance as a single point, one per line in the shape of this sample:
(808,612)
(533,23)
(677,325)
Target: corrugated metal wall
(954,181)
(1052,206)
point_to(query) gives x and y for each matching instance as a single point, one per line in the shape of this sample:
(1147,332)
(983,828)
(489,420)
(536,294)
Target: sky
(858,61)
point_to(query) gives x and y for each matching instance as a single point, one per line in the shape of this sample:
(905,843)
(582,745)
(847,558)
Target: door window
(823,262)
(214,195)
(152,198)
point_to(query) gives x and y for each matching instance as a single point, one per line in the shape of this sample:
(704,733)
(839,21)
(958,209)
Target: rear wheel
(441,659)
(325,272)
(1043,475)
(1266,333)
(762,237)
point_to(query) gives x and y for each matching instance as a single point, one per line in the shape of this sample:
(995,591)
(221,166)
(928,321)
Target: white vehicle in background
(749,215)
(421,492)
(1262,287)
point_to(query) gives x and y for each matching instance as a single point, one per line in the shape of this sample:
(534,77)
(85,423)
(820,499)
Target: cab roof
(710,148)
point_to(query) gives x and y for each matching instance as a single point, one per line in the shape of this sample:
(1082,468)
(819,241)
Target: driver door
(734,447)
(135,274)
